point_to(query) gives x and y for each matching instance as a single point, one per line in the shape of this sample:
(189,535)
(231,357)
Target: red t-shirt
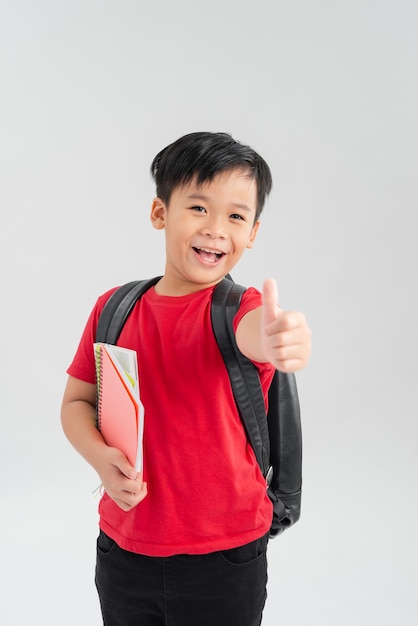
(205,489)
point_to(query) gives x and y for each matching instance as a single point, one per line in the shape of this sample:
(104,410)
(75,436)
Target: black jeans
(219,589)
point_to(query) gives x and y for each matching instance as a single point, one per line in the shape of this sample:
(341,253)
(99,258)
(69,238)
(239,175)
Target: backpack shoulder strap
(118,307)
(276,437)
(243,374)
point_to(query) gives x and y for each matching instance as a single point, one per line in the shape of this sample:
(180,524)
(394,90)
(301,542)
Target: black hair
(203,155)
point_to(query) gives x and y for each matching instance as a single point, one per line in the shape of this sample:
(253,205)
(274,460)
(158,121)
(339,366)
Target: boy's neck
(177,288)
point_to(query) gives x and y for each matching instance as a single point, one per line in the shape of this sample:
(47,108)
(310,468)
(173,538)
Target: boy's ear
(158,211)
(253,234)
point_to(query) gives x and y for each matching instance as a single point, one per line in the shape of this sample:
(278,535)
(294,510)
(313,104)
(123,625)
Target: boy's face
(207,228)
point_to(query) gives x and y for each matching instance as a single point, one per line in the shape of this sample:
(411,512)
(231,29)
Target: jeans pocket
(105,544)
(247,553)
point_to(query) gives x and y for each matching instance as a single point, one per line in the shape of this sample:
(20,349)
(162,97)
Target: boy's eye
(236,216)
(199,209)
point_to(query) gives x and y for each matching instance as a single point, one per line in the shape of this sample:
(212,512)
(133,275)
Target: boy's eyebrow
(201,196)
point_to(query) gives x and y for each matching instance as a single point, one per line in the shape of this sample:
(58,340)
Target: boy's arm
(78,417)
(269,334)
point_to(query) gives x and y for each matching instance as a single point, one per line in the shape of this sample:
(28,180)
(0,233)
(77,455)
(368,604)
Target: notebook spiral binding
(99,367)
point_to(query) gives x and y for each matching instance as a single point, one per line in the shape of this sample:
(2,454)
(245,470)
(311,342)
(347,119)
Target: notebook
(120,414)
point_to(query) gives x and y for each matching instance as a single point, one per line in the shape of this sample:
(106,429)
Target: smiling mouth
(210,256)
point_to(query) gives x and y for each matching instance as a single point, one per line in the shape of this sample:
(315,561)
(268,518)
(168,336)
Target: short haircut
(201,156)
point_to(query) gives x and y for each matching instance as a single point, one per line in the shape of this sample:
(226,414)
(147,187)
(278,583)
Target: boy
(185,543)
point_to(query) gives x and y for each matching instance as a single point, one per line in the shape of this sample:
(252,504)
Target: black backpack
(276,437)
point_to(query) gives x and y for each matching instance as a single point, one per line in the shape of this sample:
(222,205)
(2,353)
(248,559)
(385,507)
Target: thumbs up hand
(285,335)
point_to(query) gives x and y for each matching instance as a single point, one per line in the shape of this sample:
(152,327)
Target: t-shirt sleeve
(83,365)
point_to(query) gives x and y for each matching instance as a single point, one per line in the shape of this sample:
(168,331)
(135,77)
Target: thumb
(271,308)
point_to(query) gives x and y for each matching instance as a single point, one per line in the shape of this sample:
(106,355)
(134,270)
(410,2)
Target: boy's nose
(214,228)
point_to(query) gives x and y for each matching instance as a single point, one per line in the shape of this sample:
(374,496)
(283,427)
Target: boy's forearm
(248,336)
(118,478)
(79,424)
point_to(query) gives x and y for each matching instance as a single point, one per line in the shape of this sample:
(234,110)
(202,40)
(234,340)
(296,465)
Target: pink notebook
(120,414)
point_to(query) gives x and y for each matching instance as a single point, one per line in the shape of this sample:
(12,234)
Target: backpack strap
(118,307)
(276,437)
(243,374)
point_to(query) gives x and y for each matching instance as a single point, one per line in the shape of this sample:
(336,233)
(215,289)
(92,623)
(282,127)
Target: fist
(286,337)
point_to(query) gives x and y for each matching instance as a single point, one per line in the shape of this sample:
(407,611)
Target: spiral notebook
(120,414)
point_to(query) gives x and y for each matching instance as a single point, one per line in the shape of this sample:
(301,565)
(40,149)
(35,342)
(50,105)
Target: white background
(327,92)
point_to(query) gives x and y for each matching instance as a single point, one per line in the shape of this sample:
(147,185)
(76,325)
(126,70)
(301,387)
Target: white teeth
(210,251)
